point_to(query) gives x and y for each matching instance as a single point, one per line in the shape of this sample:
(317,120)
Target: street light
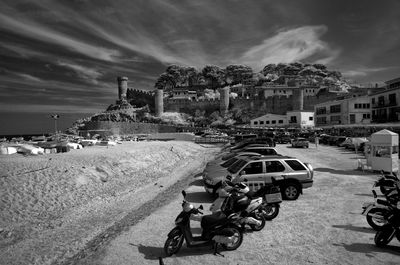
(55,117)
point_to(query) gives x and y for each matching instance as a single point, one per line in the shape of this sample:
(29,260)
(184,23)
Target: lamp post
(55,117)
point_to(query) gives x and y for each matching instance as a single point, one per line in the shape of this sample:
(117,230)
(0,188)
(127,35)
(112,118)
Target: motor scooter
(270,197)
(375,212)
(218,229)
(386,234)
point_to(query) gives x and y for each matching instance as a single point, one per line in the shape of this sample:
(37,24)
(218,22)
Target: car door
(253,172)
(274,168)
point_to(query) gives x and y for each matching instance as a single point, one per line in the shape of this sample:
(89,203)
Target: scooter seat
(213,220)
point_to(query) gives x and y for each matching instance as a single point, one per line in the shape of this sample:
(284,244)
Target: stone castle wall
(275,104)
(125,128)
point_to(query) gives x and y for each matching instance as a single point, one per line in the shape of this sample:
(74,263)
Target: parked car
(293,175)
(283,139)
(300,142)
(267,141)
(216,170)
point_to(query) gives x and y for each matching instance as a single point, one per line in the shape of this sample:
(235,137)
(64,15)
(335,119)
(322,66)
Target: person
(316,141)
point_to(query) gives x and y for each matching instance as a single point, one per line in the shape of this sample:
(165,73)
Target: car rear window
(295,165)
(235,167)
(229,162)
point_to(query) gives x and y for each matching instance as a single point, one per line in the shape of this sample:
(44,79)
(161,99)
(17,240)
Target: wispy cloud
(291,45)
(85,73)
(42,33)
(29,77)
(363,71)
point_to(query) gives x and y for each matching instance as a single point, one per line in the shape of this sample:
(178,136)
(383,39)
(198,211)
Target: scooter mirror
(201,207)
(184,193)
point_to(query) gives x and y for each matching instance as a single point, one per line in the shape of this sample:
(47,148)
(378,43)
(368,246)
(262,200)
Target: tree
(236,74)
(214,75)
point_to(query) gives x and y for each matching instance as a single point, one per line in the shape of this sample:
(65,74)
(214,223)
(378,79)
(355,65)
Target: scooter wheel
(237,239)
(173,243)
(270,211)
(376,223)
(382,238)
(258,216)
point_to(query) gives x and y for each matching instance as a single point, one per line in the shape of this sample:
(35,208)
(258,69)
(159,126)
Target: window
(261,122)
(254,168)
(366,116)
(267,122)
(310,118)
(256,122)
(352,118)
(335,108)
(274,166)
(273,122)
(373,101)
(392,99)
(356,106)
(335,119)
(321,110)
(263,151)
(280,121)
(295,165)
(293,119)
(381,100)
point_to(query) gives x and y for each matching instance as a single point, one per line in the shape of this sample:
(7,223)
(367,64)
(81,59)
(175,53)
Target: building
(300,119)
(270,120)
(386,104)
(354,110)
(184,94)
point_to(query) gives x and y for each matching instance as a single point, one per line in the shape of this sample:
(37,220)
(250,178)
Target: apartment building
(385,105)
(302,119)
(354,110)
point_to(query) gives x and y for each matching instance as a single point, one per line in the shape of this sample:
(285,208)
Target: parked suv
(293,175)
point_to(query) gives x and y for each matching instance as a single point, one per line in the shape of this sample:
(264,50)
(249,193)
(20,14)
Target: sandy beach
(52,205)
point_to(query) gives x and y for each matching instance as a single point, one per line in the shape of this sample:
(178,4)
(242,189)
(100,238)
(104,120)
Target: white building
(269,120)
(302,119)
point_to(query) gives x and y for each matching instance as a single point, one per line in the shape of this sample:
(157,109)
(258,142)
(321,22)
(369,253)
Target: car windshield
(229,162)
(235,167)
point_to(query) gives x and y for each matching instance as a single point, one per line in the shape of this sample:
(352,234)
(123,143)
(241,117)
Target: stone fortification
(108,128)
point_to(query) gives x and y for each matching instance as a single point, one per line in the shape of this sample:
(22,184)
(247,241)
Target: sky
(64,56)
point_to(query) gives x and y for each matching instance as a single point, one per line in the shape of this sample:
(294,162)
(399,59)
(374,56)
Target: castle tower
(159,102)
(224,100)
(298,98)
(122,87)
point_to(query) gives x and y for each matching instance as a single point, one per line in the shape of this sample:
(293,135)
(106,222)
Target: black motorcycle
(392,218)
(218,229)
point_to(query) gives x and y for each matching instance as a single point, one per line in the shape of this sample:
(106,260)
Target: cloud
(30,77)
(38,32)
(291,45)
(87,74)
(363,71)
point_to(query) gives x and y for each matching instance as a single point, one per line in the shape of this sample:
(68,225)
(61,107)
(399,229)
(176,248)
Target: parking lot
(323,226)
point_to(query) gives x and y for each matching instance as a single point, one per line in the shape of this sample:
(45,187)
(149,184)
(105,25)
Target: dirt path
(323,226)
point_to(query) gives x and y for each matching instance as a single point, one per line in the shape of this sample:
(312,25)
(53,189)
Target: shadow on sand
(368,248)
(355,228)
(199,197)
(155,253)
(197,182)
(343,172)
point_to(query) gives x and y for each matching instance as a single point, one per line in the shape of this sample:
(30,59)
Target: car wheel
(291,191)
